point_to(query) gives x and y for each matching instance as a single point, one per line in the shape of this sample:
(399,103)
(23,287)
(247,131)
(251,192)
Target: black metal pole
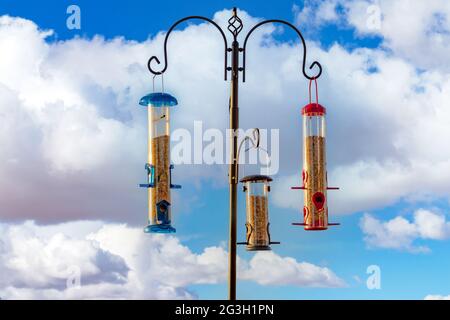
(233,169)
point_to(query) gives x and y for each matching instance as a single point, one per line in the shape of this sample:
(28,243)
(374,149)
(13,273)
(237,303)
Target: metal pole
(233,169)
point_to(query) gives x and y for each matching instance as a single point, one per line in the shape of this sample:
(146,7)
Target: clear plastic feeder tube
(314,168)
(257,213)
(159,159)
(158,162)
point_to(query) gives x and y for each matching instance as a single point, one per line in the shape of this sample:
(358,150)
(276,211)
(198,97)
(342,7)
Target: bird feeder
(158,167)
(314,174)
(257,190)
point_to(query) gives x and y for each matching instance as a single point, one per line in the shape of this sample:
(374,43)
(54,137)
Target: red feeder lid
(314,109)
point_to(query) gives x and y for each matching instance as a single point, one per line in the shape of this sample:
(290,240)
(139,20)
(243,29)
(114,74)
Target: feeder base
(315,228)
(159,228)
(311,228)
(258,248)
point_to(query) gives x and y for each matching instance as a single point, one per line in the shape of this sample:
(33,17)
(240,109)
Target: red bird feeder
(314,174)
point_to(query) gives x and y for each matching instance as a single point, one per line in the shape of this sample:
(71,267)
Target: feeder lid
(158,99)
(314,109)
(256,178)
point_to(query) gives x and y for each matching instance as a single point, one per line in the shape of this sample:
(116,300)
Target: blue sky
(140,19)
(343,249)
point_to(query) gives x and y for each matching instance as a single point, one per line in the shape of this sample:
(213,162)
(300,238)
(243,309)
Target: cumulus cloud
(315,13)
(41,262)
(267,268)
(72,127)
(381,147)
(401,234)
(421,36)
(116,261)
(65,133)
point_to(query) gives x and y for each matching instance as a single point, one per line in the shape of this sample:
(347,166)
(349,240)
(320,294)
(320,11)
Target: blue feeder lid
(158,99)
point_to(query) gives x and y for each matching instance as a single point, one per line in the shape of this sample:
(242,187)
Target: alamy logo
(73,21)
(374,17)
(73,279)
(211,146)
(374,280)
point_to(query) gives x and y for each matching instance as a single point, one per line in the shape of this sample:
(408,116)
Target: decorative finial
(235,24)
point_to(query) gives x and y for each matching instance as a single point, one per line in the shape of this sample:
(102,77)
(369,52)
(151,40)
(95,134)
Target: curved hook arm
(254,140)
(167,38)
(255,144)
(315,63)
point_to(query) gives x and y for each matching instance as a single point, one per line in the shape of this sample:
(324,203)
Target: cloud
(400,233)
(381,147)
(72,126)
(117,261)
(422,36)
(314,14)
(32,260)
(267,268)
(60,126)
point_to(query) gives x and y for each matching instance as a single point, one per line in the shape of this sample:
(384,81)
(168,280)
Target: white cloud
(418,31)
(32,260)
(400,233)
(267,268)
(117,261)
(72,126)
(382,147)
(314,14)
(64,120)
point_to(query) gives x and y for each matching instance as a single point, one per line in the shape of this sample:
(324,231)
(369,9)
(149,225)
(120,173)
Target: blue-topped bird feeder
(158,167)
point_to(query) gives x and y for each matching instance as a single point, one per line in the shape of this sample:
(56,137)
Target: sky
(73,149)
